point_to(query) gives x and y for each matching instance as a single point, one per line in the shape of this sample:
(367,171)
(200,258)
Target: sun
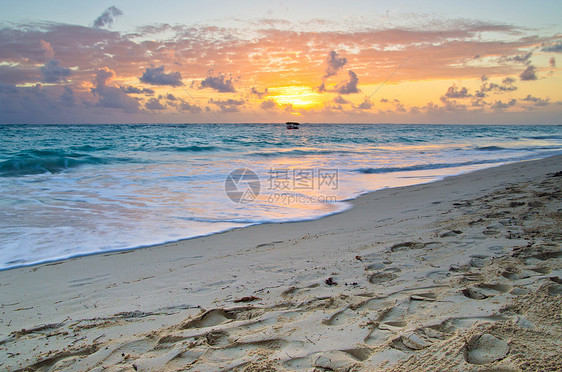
(298,96)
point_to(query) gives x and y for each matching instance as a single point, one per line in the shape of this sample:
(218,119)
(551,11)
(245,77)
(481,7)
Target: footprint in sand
(210,318)
(407,246)
(485,349)
(480,261)
(382,277)
(483,290)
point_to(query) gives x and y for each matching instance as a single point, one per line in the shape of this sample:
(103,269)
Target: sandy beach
(463,274)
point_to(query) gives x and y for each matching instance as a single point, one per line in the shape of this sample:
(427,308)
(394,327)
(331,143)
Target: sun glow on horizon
(297,96)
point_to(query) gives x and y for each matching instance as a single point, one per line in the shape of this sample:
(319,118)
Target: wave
(91,148)
(193,148)
(301,153)
(490,148)
(419,167)
(45,161)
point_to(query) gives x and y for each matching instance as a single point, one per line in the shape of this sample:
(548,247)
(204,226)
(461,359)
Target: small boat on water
(292,125)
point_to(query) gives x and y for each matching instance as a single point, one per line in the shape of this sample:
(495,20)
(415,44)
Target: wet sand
(460,274)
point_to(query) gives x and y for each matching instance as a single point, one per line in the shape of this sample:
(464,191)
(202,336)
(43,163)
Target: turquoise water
(71,190)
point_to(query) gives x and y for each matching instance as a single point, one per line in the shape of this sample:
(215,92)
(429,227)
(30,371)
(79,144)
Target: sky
(354,61)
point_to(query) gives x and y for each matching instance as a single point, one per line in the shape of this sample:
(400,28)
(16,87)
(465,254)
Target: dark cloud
(556,47)
(340,100)
(350,86)
(54,72)
(8,88)
(484,78)
(157,76)
(552,62)
(129,89)
(109,95)
(528,74)
(257,93)
(220,83)
(17,75)
(520,58)
(171,97)
(67,97)
(154,104)
(399,107)
(107,17)
(505,86)
(508,81)
(227,102)
(478,103)
(227,109)
(452,105)
(365,105)
(500,105)
(227,105)
(384,100)
(268,104)
(454,92)
(536,100)
(186,106)
(334,63)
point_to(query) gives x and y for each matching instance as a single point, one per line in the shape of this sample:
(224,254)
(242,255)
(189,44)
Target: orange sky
(270,70)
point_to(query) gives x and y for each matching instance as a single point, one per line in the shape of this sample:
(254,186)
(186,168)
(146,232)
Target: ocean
(71,190)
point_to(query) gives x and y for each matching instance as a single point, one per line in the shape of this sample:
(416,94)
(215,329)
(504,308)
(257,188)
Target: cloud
(186,106)
(107,17)
(552,62)
(500,105)
(536,100)
(365,105)
(340,100)
(157,76)
(220,83)
(109,95)
(454,92)
(520,58)
(228,105)
(54,72)
(268,104)
(350,86)
(293,54)
(17,75)
(49,52)
(334,63)
(226,109)
(170,97)
(257,93)
(528,74)
(154,104)
(505,86)
(479,102)
(228,102)
(129,89)
(452,105)
(67,97)
(556,47)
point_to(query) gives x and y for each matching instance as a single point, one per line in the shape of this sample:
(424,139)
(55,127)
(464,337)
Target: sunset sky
(354,61)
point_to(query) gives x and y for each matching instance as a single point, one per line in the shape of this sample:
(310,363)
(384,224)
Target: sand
(461,274)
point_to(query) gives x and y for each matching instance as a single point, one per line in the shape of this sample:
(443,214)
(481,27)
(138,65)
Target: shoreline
(358,289)
(344,209)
